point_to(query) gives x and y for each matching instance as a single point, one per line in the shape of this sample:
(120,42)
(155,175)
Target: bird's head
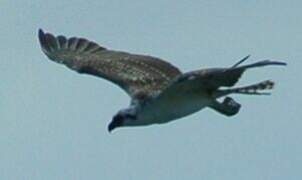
(122,118)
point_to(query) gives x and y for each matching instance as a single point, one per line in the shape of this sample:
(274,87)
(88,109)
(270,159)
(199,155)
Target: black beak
(111,126)
(117,121)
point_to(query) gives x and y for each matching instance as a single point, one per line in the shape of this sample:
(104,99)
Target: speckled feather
(136,74)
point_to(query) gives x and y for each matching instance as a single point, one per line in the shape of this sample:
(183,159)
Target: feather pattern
(136,74)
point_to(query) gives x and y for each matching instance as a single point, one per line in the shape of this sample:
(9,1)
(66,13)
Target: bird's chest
(173,106)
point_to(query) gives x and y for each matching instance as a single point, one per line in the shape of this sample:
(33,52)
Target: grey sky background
(53,122)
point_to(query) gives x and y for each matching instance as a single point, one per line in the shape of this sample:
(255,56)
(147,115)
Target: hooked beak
(116,122)
(111,126)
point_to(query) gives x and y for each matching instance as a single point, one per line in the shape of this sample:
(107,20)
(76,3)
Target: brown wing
(136,74)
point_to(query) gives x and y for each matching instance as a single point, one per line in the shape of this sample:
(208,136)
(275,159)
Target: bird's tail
(250,90)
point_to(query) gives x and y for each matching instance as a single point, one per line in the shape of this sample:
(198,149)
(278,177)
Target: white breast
(168,108)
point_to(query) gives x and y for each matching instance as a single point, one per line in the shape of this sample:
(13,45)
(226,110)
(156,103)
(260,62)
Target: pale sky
(53,121)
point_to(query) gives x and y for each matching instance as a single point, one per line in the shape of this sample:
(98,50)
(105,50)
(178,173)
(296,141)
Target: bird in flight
(159,91)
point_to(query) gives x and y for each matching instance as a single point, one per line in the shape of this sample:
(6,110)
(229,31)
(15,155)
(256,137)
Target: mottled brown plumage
(136,74)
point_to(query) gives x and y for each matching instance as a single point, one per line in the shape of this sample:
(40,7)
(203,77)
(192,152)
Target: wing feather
(209,80)
(134,73)
(226,77)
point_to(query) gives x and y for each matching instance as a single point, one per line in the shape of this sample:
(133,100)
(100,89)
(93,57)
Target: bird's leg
(228,107)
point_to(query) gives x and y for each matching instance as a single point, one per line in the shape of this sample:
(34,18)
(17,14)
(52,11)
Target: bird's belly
(166,109)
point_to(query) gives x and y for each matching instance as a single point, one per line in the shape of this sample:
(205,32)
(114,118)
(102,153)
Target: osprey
(159,91)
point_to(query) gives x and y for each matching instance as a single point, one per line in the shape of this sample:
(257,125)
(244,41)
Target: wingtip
(41,35)
(241,61)
(43,41)
(40,32)
(281,63)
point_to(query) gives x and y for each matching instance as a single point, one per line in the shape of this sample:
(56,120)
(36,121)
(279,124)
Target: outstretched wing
(213,78)
(136,74)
